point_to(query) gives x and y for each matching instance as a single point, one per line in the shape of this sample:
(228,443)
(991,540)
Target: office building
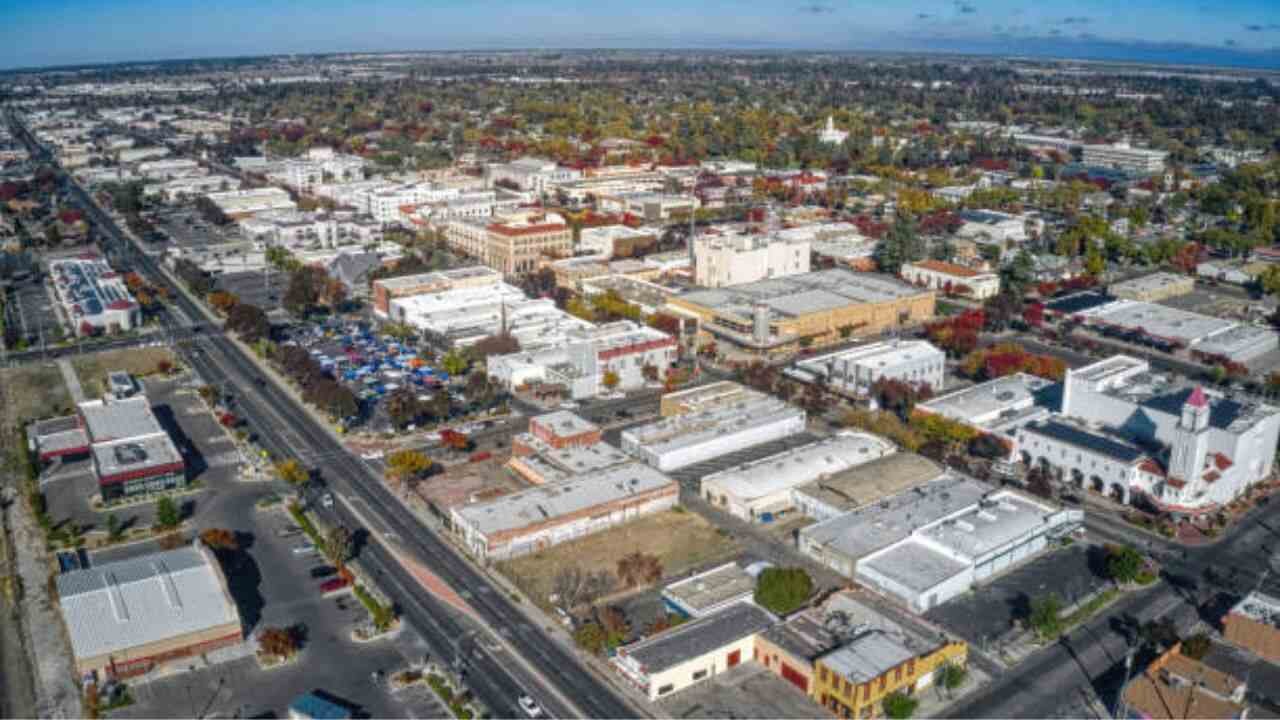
(128,617)
(1121,156)
(853,371)
(590,360)
(512,244)
(952,279)
(738,259)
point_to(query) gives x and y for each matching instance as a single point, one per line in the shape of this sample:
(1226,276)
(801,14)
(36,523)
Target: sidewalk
(71,379)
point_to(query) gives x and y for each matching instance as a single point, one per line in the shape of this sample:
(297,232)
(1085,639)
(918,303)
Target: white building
(998,228)
(734,260)
(170,168)
(761,491)
(855,370)
(238,204)
(715,429)
(830,135)
(932,543)
(999,406)
(298,230)
(93,297)
(581,362)
(1122,156)
(951,278)
(603,240)
(530,174)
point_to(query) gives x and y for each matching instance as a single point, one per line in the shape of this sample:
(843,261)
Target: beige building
(1154,288)
(952,279)
(513,244)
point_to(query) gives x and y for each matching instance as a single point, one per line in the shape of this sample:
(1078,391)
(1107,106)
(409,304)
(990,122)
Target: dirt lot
(681,540)
(92,369)
(32,392)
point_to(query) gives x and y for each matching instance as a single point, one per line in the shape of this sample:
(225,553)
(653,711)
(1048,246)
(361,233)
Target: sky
(36,33)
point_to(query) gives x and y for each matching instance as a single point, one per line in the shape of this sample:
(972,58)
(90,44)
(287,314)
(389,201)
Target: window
(697,675)
(666,689)
(897,674)
(883,680)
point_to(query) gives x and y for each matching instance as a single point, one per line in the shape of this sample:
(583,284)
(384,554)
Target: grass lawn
(680,540)
(32,392)
(92,368)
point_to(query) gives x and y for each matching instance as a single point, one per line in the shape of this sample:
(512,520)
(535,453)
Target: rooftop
(803,294)
(548,502)
(113,419)
(120,605)
(947,268)
(874,355)
(1159,320)
(997,521)
(697,427)
(994,403)
(1259,607)
(695,639)
(800,465)
(1086,439)
(915,565)
(563,423)
(1147,283)
(861,485)
(711,588)
(867,657)
(135,454)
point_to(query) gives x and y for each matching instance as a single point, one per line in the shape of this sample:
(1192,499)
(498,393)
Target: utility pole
(1122,707)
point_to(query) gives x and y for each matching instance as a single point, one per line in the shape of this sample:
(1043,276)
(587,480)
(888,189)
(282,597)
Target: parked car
(323,571)
(304,549)
(334,585)
(327,500)
(530,706)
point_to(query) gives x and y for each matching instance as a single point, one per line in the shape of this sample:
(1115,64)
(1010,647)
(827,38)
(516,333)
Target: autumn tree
(222,301)
(610,379)
(338,545)
(219,539)
(292,472)
(637,568)
(278,642)
(406,466)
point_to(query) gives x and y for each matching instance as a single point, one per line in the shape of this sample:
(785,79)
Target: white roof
(798,466)
(125,604)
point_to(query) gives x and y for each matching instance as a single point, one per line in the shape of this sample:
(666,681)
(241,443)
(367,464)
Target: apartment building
(736,260)
(1122,156)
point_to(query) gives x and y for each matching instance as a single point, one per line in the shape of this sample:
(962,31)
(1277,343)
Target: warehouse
(933,542)
(693,437)
(999,406)
(388,289)
(128,617)
(710,591)
(1169,329)
(534,519)
(691,653)
(862,485)
(772,316)
(855,370)
(761,491)
(1154,287)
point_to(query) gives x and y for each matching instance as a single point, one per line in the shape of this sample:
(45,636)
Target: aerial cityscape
(500,360)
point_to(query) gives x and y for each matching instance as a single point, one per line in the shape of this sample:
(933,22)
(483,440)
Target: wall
(709,665)
(847,700)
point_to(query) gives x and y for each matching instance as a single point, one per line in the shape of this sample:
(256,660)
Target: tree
(167,514)
(278,642)
(219,539)
(222,301)
(292,472)
(783,590)
(115,529)
(454,363)
(615,625)
(610,380)
(403,406)
(1197,646)
(1123,563)
(590,637)
(405,466)
(953,676)
(1044,616)
(249,322)
(900,706)
(338,544)
(637,568)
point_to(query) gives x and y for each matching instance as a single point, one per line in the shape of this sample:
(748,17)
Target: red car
(333,585)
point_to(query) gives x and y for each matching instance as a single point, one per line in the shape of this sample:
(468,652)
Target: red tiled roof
(1177,482)
(947,268)
(1221,461)
(1197,398)
(1211,476)
(1151,466)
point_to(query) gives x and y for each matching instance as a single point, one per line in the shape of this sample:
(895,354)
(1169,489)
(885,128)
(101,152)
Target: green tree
(454,363)
(953,676)
(1095,263)
(590,637)
(167,513)
(339,544)
(783,590)
(1197,646)
(1123,563)
(1044,616)
(900,706)
(115,529)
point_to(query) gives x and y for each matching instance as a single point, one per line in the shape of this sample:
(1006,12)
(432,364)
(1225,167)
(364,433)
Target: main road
(544,668)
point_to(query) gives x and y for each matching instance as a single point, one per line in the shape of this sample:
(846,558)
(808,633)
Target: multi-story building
(853,680)
(1122,156)
(952,279)
(239,204)
(855,370)
(93,297)
(530,174)
(736,260)
(530,520)
(650,207)
(324,230)
(475,276)
(512,244)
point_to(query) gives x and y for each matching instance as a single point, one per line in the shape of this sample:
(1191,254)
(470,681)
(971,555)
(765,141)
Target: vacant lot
(32,392)
(680,540)
(92,369)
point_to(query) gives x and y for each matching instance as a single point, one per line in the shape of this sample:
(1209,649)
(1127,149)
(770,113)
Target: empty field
(32,392)
(92,369)
(680,540)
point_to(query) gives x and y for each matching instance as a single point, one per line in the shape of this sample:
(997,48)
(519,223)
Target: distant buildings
(529,174)
(989,227)
(1154,287)
(1170,328)
(588,359)
(855,370)
(240,204)
(735,260)
(93,297)
(129,617)
(830,135)
(1121,156)
(615,240)
(952,279)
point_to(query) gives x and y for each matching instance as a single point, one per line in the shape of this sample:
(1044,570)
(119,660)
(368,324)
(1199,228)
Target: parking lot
(185,228)
(31,309)
(264,289)
(988,613)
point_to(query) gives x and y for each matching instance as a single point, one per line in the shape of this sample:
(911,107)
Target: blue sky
(59,32)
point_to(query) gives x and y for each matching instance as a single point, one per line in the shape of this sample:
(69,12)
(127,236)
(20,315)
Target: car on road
(304,549)
(529,706)
(323,571)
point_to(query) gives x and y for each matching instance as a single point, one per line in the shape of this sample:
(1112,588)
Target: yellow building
(780,315)
(853,680)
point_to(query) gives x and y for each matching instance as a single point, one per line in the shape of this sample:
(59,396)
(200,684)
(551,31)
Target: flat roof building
(590,360)
(125,618)
(862,485)
(854,370)
(240,204)
(1122,156)
(388,289)
(1154,287)
(93,297)
(710,591)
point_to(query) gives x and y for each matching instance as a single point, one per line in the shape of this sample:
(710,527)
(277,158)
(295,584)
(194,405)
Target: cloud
(1254,27)
(966,8)
(816,8)
(1075,20)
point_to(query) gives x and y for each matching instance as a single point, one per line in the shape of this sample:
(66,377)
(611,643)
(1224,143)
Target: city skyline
(1244,33)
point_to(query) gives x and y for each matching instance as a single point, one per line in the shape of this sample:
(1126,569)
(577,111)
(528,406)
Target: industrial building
(534,519)
(1211,447)
(93,297)
(933,542)
(1154,287)
(693,652)
(722,261)
(951,279)
(1254,624)
(745,420)
(1170,328)
(773,316)
(854,370)
(761,491)
(709,591)
(128,617)
(551,465)
(862,485)
(999,406)
(132,454)
(464,317)
(586,359)
(554,431)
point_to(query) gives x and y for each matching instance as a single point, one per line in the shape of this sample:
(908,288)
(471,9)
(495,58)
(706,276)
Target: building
(693,652)
(715,429)
(952,279)
(512,244)
(386,290)
(556,430)
(775,316)
(936,541)
(240,204)
(1254,624)
(313,706)
(129,617)
(1154,287)
(1121,156)
(855,370)
(615,241)
(862,485)
(998,407)
(990,227)
(735,260)
(830,135)
(93,297)
(534,519)
(1087,457)
(1209,448)
(710,591)
(591,360)
(761,491)
(853,680)
(529,174)
(647,296)
(650,207)
(1177,687)
(547,465)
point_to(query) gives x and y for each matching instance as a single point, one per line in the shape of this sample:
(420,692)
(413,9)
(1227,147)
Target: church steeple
(1195,411)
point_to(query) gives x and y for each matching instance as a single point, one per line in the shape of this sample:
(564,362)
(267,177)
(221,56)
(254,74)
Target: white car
(530,706)
(568,405)
(327,500)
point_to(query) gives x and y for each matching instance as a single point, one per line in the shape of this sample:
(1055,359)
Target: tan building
(1154,287)
(384,291)
(781,315)
(129,617)
(1254,624)
(518,247)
